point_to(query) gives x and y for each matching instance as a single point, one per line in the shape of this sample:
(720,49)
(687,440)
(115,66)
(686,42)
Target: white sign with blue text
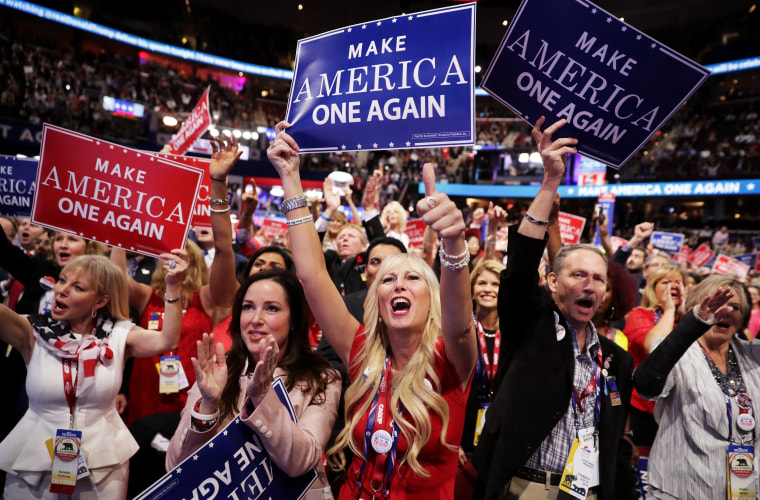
(613,84)
(400,82)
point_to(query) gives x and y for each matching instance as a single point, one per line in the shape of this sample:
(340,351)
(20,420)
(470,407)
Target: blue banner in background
(401,82)
(233,464)
(747,258)
(17,182)
(670,242)
(570,59)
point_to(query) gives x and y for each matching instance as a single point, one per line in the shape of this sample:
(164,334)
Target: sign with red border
(202,213)
(194,127)
(109,193)
(571,227)
(415,229)
(701,255)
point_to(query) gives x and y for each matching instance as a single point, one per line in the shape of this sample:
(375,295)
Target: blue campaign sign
(400,82)
(747,258)
(670,242)
(234,465)
(571,59)
(17,182)
(756,242)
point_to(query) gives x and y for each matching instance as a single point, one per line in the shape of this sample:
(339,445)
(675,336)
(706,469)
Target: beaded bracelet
(302,220)
(293,203)
(219,201)
(535,221)
(454,262)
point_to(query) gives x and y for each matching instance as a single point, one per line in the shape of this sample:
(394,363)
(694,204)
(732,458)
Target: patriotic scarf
(87,350)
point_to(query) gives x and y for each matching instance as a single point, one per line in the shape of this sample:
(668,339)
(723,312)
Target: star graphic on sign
(410,17)
(624,29)
(211,444)
(195,457)
(343,146)
(349,30)
(638,37)
(81,234)
(138,155)
(408,143)
(394,20)
(526,117)
(358,146)
(131,248)
(125,150)
(364,26)
(374,145)
(225,432)
(237,420)
(609,19)
(390,144)
(179,470)
(111,146)
(570,191)
(379,23)
(152,159)
(751,186)
(107,242)
(97,142)
(593,11)
(654,45)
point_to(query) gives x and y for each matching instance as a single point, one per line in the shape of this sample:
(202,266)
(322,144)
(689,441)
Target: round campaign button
(66,448)
(382,441)
(745,422)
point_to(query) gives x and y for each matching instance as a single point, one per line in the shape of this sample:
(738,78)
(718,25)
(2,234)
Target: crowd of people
(412,371)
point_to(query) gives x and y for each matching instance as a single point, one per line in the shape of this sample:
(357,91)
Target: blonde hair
(195,277)
(490,265)
(362,234)
(107,279)
(649,298)
(418,400)
(394,206)
(91,247)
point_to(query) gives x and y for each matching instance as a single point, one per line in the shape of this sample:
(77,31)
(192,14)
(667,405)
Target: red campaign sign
(702,254)
(201,216)
(113,194)
(571,228)
(415,229)
(757,263)
(725,265)
(682,256)
(617,242)
(273,228)
(197,123)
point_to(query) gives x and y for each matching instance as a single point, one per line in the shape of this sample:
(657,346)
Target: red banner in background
(725,265)
(272,228)
(415,229)
(201,216)
(194,127)
(701,255)
(113,194)
(571,228)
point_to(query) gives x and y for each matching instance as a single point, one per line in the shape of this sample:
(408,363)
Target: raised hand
(437,210)
(210,372)
(553,153)
(713,303)
(371,196)
(224,156)
(263,373)
(175,264)
(283,152)
(332,200)
(641,232)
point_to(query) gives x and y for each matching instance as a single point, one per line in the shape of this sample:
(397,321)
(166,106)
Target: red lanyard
(591,387)
(491,368)
(69,388)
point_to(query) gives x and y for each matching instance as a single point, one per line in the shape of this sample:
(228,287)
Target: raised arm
(142,343)
(496,215)
(338,326)
(458,329)
(17,332)
(222,285)
(554,243)
(350,200)
(553,155)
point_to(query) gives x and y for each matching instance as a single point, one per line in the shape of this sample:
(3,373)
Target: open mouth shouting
(586,305)
(400,305)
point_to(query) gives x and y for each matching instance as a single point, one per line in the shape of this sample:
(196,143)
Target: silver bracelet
(456,262)
(219,210)
(219,201)
(302,220)
(172,301)
(293,203)
(535,221)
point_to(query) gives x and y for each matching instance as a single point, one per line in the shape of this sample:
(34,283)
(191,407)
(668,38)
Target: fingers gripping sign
(437,210)
(553,153)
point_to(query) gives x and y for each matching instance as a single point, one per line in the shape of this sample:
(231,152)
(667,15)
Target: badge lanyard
(69,388)
(594,383)
(381,441)
(490,368)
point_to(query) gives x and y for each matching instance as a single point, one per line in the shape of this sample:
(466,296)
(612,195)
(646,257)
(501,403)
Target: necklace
(489,334)
(732,382)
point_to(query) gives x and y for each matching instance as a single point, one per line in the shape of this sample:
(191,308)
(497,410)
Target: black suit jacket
(535,378)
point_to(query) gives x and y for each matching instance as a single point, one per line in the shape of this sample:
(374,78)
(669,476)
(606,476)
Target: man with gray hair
(563,391)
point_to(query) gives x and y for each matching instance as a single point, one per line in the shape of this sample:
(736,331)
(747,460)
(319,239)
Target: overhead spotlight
(170,121)
(264,93)
(226,132)
(523,158)
(478,68)
(255,136)
(535,157)
(237,133)
(752,8)
(214,132)
(276,191)
(246,135)
(300,6)
(504,22)
(240,73)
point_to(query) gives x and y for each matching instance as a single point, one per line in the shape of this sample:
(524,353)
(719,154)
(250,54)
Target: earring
(380,319)
(94,313)
(610,313)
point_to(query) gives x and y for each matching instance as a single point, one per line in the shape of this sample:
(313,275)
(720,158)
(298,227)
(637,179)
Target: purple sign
(571,59)
(401,82)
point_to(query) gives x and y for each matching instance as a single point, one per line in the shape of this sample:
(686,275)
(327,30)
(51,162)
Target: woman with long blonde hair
(393,219)
(410,365)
